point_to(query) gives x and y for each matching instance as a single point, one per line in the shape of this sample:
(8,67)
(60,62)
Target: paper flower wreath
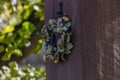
(56,35)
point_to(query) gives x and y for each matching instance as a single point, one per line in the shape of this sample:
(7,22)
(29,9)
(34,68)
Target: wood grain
(96,39)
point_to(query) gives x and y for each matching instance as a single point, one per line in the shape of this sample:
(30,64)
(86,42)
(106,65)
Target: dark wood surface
(96,39)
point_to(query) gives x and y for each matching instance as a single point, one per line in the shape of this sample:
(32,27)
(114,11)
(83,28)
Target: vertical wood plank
(67,70)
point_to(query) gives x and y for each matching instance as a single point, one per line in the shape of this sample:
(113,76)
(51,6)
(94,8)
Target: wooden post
(96,30)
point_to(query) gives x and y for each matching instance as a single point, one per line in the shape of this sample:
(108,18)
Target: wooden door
(96,30)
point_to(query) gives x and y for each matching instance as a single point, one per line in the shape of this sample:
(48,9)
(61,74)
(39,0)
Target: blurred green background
(20,27)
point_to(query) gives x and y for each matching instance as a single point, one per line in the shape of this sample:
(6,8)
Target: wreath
(56,36)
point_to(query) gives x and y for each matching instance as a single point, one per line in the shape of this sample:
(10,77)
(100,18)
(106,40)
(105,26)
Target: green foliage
(26,30)
(14,72)
(38,47)
(18,18)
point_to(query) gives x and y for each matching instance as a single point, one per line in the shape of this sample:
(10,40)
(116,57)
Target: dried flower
(51,21)
(57,39)
(68,24)
(65,18)
(65,28)
(59,19)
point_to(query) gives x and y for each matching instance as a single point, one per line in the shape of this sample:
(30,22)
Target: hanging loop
(60,12)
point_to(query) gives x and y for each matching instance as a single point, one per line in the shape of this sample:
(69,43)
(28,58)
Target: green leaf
(8,29)
(69,46)
(68,38)
(6,57)
(38,47)
(20,42)
(18,52)
(67,51)
(27,11)
(26,30)
(10,48)
(10,37)
(1,48)
(13,64)
(68,24)
(62,57)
